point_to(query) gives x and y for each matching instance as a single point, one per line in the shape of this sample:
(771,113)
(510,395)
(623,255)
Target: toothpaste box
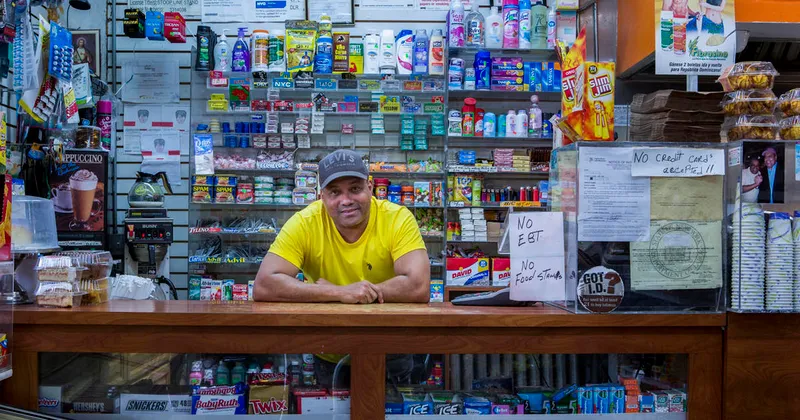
(477,405)
(417,404)
(677,400)
(467,271)
(513,80)
(647,403)
(601,399)
(616,399)
(501,271)
(585,396)
(661,402)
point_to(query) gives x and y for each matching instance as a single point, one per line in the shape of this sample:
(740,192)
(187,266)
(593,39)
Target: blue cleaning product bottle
(489,125)
(421,43)
(241,54)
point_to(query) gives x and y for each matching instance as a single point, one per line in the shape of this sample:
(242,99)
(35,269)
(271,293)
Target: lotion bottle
(222,58)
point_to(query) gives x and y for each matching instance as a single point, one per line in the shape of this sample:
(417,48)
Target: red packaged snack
(269,394)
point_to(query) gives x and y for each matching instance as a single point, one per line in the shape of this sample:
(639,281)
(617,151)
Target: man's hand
(759,179)
(361,292)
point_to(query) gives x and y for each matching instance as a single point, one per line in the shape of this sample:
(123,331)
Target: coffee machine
(148,229)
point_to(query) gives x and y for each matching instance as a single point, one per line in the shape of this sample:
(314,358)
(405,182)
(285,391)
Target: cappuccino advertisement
(78,191)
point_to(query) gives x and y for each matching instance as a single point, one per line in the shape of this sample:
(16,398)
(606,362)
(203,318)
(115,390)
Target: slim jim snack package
(587,98)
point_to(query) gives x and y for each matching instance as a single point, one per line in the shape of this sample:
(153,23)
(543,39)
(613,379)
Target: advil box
(467,271)
(501,271)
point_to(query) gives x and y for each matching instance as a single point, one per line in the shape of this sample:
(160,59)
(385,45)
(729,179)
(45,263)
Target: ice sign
(537,256)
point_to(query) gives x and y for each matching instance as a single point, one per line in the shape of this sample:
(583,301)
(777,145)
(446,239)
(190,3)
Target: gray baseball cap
(341,163)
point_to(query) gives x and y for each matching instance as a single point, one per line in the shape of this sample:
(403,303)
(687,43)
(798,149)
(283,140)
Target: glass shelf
(497,142)
(495,171)
(527,51)
(507,95)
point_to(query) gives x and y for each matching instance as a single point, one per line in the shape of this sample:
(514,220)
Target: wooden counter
(367,332)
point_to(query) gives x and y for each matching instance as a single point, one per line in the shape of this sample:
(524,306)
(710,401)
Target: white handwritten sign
(537,256)
(677,162)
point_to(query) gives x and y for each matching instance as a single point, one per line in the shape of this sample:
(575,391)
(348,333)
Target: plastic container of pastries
(97,264)
(751,101)
(97,291)
(789,103)
(754,127)
(62,268)
(748,75)
(789,128)
(59,294)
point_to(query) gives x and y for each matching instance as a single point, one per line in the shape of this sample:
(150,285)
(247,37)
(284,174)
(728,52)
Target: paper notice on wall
(141,117)
(388,4)
(171,165)
(189,9)
(151,81)
(677,162)
(537,256)
(679,255)
(697,199)
(435,5)
(613,206)
(223,11)
(253,10)
(159,144)
(340,11)
(131,141)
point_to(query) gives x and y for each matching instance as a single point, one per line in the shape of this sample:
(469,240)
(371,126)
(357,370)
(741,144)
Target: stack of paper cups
(796,238)
(748,258)
(780,263)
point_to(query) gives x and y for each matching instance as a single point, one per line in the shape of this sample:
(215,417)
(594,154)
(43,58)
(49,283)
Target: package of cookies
(789,103)
(61,268)
(750,101)
(789,128)
(751,127)
(748,75)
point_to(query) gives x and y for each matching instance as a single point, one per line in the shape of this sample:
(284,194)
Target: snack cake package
(301,39)
(598,107)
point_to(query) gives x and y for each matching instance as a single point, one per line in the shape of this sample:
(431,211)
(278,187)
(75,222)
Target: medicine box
(501,271)
(467,271)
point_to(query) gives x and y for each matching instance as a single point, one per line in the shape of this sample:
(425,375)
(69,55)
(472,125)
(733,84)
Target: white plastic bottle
(436,53)
(524,24)
(551,26)
(475,28)
(455,24)
(404,48)
(535,118)
(222,54)
(372,42)
(522,123)
(388,55)
(511,124)
(494,29)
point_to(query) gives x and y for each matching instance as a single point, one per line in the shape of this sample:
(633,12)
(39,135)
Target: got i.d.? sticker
(600,289)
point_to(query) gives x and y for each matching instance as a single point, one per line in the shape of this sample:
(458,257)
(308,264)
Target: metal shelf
(498,142)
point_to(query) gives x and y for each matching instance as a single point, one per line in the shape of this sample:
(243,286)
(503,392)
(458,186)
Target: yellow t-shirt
(310,241)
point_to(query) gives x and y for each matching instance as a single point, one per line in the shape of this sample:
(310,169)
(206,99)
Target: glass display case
(631,386)
(163,384)
(6,319)
(645,225)
(764,232)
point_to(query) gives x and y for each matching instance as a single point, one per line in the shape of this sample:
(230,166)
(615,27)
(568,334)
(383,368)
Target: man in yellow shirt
(351,247)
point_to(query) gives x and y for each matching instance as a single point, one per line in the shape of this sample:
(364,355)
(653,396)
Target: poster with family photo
(763,172)
(86,49)
(78,191)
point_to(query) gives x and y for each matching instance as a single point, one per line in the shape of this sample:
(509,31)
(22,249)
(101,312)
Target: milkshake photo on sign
(78,189)
(763,171)
(83,187)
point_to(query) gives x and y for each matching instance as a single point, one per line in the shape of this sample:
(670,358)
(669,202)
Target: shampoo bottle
(455,24)
(494,29)
(222,54)
(241,54)
(525,24)
(404,48)
(420,60)
(372,46)
(436,53)
(388,56)
(538,25)
(510,24)
(475,28)
(323,59)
